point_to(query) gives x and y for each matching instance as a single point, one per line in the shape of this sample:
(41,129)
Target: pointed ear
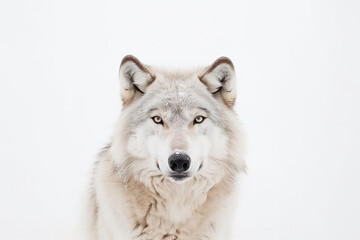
(221,81)
(134,79)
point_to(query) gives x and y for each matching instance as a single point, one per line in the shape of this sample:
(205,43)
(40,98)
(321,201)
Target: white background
(297,64)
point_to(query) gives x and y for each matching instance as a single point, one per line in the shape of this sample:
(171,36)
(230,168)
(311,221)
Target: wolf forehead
(172,92)
(176,86)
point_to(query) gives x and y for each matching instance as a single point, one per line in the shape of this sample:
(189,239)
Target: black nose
(179,162)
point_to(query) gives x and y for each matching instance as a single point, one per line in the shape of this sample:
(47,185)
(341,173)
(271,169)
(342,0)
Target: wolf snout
(179,162)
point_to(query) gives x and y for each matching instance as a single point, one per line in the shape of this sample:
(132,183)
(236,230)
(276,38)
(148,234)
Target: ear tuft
(134,78)
(220,80)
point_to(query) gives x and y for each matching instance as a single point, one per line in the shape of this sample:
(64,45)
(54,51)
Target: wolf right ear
(220,80)
(134,79)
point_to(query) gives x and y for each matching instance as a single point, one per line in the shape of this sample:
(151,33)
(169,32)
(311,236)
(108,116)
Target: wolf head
(177,126)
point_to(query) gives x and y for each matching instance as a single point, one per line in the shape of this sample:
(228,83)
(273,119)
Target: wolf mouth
(179,177)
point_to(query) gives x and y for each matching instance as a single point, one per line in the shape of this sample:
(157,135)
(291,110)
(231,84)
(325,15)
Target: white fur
(134,196)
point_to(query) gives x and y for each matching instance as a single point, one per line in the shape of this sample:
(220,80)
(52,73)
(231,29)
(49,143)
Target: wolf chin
(171,169)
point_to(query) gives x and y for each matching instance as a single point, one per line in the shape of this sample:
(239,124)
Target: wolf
(172,166)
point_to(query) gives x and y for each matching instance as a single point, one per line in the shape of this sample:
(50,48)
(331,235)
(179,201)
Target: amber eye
(157,120)
(199,119)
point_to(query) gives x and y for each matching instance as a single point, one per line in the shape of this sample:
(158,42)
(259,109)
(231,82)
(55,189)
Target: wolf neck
(174,202)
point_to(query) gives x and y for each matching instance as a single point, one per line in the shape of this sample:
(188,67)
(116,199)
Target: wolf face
(175,125)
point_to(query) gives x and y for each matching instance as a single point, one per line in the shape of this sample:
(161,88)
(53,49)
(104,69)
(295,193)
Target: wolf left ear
(221,81)
(134,79)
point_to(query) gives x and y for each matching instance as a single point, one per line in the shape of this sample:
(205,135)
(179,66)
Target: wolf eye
(157,120)
(199,119)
